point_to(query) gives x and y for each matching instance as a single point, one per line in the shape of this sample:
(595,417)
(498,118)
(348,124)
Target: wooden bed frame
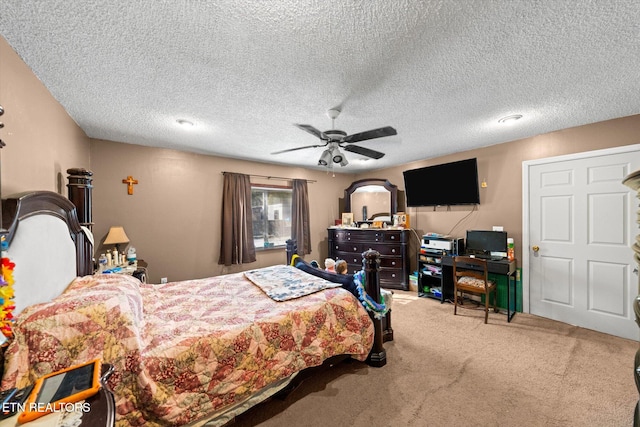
(23,205)
(29,206)
(52,270)
(383,329)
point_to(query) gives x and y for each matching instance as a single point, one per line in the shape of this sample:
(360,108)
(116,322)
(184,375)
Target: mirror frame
(393,190)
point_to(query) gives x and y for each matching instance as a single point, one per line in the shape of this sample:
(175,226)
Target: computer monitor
(485,241)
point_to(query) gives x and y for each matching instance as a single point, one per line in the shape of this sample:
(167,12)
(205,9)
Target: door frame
(526,166)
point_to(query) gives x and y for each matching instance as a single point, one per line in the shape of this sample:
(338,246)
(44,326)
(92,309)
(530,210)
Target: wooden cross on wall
(129,181)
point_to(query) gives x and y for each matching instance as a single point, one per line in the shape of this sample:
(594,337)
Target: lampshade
(116,236)
(338,156)
(325,158)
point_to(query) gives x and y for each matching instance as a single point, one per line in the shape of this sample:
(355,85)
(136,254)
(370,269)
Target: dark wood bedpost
(80,189)
(371,261)
(292,249)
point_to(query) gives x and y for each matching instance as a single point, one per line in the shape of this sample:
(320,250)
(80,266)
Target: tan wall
(501,167)
(173,218)
(42,140)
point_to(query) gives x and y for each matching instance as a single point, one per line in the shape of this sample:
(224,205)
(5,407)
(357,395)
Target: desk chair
(470,275)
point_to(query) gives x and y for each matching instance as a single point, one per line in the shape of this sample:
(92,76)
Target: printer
(438,244)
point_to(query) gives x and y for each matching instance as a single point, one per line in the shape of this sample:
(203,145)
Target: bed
(185,353)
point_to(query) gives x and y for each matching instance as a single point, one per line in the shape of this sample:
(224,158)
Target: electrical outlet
(163,280)
(498,228)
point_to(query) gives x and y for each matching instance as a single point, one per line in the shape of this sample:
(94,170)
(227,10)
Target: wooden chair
(470,276)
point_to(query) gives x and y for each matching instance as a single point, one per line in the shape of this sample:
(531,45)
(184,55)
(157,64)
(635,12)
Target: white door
(581,225)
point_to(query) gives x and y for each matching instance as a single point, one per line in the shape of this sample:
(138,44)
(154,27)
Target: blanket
(283,282)
(184,350)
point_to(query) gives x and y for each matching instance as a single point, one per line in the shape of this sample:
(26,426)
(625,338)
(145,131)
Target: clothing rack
(280,178)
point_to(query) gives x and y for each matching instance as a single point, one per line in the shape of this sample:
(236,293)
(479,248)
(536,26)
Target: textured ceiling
(440,72)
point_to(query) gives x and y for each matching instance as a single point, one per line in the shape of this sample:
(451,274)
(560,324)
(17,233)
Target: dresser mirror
(371,200)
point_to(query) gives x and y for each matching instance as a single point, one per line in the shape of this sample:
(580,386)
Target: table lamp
(116,236)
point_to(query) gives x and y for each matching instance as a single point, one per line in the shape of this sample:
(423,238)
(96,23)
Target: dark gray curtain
(236,245)
(300,231)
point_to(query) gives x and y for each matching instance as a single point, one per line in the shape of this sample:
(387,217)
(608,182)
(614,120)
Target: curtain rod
(274,177)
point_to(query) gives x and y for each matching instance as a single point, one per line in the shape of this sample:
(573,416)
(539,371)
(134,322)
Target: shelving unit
(430,274)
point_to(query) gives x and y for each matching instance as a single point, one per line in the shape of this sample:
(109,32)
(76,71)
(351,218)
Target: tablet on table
(56,391)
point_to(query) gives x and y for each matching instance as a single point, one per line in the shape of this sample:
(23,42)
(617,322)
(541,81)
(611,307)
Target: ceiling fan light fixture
(338,157)
(325,158)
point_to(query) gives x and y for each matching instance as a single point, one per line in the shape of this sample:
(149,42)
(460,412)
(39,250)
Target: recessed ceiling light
(510,119)
(185,123)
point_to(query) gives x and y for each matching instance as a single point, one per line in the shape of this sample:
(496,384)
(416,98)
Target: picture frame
(401,219)
(347,218)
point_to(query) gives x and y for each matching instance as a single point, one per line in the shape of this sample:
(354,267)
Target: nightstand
(137,270)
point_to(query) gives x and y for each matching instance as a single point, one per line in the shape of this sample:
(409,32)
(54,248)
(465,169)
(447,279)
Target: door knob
(535,248)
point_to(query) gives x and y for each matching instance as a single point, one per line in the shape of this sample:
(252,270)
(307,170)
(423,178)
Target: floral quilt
(187,349)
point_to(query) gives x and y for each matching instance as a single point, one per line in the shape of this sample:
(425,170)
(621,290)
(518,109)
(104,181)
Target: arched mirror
(371,199)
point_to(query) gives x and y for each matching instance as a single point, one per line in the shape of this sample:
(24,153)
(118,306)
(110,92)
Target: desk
(503,267)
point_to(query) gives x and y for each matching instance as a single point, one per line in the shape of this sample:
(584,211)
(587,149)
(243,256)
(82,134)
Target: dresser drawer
(391,274)
(391,278)
(386,250)
(348,247)
(394,236)
(342,250)
(353,269)
(358,236)
(391,262)
(350,258)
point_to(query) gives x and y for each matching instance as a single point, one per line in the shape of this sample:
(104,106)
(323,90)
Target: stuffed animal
(330,265)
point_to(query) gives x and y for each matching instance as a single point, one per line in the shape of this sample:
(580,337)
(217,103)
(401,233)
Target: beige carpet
(446,370)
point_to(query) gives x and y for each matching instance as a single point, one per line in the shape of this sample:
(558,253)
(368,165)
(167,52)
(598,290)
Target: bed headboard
(47,244)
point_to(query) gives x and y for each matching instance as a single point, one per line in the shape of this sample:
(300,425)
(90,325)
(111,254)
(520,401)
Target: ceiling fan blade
(312,131)
(370,134)
(364,151)
(298,148)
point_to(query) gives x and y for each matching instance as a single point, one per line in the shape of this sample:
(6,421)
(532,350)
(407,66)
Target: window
(271,212)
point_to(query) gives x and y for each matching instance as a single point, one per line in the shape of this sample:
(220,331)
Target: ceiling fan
(335,139)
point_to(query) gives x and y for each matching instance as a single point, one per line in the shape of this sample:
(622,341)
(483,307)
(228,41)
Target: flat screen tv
(454,183)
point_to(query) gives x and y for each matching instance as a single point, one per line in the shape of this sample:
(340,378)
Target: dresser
(392,244)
